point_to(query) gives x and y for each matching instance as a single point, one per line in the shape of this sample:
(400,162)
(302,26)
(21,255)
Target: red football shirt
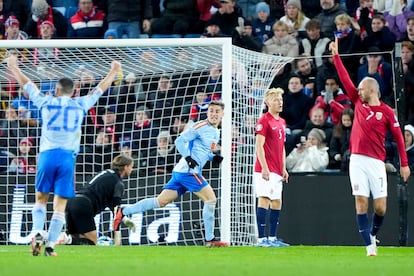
(371,123)
(274,132)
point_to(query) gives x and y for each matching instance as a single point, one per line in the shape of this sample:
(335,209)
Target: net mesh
(160,92)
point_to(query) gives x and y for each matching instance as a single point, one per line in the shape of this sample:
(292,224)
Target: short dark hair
(66,86)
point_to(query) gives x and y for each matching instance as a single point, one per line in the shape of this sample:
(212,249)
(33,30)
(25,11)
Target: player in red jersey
(373,119)
(270,167)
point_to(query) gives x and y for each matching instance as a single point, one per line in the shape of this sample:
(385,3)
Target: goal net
(164,87)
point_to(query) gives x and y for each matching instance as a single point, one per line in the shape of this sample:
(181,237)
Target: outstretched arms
(109,78)
(21,78)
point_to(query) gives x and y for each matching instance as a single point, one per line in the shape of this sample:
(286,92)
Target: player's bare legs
(166,196)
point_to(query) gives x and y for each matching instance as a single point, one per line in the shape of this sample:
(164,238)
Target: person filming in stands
(62,117)
(270,168)
(373,119)
(197,145)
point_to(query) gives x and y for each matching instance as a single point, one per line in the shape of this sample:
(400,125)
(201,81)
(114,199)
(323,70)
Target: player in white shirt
(62,118)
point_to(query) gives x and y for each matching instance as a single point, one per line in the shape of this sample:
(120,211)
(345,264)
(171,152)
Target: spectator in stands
(161,160)
(111,34)
(363,15)
(332,101)
(339,144)
(212,29)
(350,43)
(13,129)
(12,29)
(25,161)
(330,10)
(397,17)
(41,11)
(18,8)
(296,107)
(181,123)
(200,106)
(127,97)
(110,124)
(262,24)
(407,50)
(295,19)
(227,17)
(311,8)
(43,56)
(245,38)
(213,81)
(143,132)
(98,156)
(248,8)
(277,9)
(87,22)
(281,43)
(313,45)
(27,111)
(310,155)
(409,35)
(126,17)
(306,70)
(204,7)
(327,69)
(409,144)
(375,67)
(317,120)
(178,17)
(381,36)
(163,102)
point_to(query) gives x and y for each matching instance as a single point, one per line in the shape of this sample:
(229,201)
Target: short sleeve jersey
(273,129)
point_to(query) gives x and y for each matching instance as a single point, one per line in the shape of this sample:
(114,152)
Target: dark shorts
(79,216)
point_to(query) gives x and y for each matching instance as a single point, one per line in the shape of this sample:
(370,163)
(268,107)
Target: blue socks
(261,221)
(38,217)
(363,227)
(273,222)
(376,224)
(141,206)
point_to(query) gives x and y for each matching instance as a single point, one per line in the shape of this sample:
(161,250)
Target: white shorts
(367,176)
(271,189)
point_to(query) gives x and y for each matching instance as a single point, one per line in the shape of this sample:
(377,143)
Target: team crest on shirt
(259,127)
(378,115)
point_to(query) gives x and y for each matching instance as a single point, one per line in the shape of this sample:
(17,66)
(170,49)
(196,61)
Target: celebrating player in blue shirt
(197,146)
(62,118)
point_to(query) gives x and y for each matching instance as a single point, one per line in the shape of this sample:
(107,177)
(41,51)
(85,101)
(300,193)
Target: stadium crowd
(142,116)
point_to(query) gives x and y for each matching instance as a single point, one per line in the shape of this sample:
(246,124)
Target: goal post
(186,67)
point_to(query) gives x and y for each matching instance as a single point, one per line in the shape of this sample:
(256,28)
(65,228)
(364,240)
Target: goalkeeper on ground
(104,190)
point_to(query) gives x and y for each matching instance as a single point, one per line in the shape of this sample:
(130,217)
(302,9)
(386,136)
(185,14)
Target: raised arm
(21,78)
(346,81)
(109,78)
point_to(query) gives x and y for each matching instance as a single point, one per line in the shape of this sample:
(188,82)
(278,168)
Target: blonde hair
(280,24)
(343,18)
(273,92)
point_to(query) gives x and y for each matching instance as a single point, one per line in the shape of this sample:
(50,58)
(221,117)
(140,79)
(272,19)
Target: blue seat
(192,36)
(166,36)
(70,11)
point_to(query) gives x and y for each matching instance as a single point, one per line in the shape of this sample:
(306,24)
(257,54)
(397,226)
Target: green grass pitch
(197,260)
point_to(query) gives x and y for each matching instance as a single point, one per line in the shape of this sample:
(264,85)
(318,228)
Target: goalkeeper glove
(129,223)
(191,162)
(217,159)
